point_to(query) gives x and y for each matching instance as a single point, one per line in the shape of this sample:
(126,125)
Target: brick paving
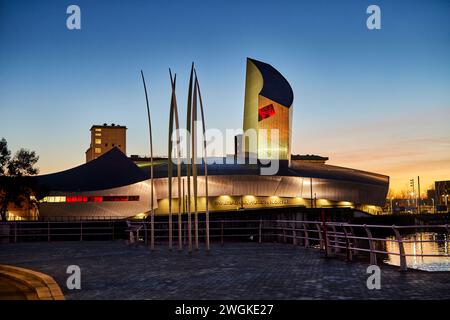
(113,270)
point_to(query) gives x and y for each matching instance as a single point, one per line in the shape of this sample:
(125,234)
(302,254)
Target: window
(98,129)
(54,199)
(98,134)
(81,198)
(98,150)
(98,141)
(106,144)
(114,144)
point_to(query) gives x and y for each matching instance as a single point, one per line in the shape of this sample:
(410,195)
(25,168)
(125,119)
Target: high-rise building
(104,138)
(267,112)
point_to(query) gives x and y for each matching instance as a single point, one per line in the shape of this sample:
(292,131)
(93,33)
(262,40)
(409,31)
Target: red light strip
(101,198)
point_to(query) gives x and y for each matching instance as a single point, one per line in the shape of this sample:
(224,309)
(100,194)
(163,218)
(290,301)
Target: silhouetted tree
(14,186)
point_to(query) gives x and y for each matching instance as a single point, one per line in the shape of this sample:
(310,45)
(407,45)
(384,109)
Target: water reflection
(421,243)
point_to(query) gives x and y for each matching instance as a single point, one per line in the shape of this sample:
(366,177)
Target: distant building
(442,192)
(431,197)
(104,138)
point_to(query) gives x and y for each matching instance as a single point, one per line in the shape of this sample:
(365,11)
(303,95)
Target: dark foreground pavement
(113,270)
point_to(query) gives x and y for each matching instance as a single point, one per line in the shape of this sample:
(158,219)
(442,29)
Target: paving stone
(113,270)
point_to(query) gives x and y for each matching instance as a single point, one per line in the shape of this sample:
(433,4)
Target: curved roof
(275,87)
(297,169)
(111,170)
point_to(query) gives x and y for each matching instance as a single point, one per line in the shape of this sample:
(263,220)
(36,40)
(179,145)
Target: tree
(15,187)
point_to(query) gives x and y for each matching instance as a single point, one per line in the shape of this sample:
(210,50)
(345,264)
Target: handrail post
(48,231)
(81,230)
(294,234)
(306,240)
(284,231)
(145,224)
(352,233)
(221,232)
(373,255)
(335,239)
(15,232)
(401,249)
(347,244)
(325,240)
(319,232)
(325,234)
(260,231)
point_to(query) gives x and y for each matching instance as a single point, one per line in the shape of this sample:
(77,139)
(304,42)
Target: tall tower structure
(268,105)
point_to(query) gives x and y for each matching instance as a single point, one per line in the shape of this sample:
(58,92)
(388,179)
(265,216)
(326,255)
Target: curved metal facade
(293,190)
(334,190)
(114,209)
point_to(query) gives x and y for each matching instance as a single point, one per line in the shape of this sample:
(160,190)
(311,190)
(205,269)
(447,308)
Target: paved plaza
(113,270)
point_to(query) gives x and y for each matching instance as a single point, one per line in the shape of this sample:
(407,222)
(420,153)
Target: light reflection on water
(435,243)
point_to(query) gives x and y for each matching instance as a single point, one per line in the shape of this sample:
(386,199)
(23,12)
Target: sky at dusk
(375,100)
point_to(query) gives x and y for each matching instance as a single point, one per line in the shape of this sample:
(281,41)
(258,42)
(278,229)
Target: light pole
(411,183)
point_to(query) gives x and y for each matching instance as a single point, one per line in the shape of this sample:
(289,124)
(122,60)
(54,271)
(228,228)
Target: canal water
(418,244)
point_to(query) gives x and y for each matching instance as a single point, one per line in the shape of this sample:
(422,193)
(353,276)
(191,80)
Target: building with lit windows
(113,185)
(442,193)
(105,138)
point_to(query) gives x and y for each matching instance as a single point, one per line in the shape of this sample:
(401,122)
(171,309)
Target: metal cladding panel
(278,146)
(253,85)
(232,185)
(284,186)
(102,209)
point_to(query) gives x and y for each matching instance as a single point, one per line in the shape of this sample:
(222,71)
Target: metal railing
(332,238)
(351,239)
(20,231)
